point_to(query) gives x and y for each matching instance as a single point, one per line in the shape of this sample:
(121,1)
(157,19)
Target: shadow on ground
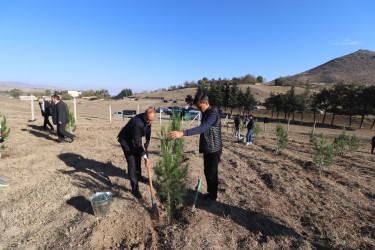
(96,173)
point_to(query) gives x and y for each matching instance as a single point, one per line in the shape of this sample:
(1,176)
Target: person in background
(250,127)
(45,109)
(210,144)
(237,134)
(61,119)
(130,139)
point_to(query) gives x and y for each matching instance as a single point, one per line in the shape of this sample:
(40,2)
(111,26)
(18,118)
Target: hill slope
(355,67)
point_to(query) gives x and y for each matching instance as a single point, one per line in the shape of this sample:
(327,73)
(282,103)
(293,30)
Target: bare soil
(265,201)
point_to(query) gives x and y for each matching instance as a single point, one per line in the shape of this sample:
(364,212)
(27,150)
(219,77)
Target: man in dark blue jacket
(210,144)
(45,109)
(130,139)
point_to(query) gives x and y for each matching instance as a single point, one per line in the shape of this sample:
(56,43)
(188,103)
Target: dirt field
(265,201)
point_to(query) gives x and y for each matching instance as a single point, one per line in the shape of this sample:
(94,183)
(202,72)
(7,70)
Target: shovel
(196,194)
(153,201)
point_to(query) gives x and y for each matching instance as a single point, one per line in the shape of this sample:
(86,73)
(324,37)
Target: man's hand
(60,123)
(147,163)
(175,134)
(146,144)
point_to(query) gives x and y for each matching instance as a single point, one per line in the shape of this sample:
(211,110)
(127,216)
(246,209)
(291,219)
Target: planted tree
(323,153)
(170,175)
(4,132)
(282,137)
(344,143)
(72,120)
(256,131)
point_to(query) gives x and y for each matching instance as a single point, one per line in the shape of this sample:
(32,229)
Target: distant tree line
(248,79)
(223,95)
(342,99)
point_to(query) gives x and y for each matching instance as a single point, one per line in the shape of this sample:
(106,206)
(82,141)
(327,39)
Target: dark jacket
(210,140)
(250,125)
(373,140)
(60,113)
(47,108)
(237,121)
(130,136)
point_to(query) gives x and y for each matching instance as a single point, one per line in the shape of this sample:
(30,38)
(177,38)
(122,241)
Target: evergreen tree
(340,143)
(323,153)
(353,143)
(282,137)
(4,132)
(249,100)
(233,100)
(256,131)
(170,175)
(72,121)
(189,100)
(226,96)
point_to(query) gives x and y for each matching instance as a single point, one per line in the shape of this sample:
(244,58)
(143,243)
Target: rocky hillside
(355,67)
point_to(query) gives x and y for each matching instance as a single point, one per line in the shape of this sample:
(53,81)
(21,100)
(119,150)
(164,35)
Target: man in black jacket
(130,139)
(61,118)
(373,144)
(45,109)
(210,144)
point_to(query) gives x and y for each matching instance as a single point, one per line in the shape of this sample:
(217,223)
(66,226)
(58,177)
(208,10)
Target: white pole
(138,109)
(182,121)
(287,131)
(160,116)
(110,112)
(314,128)
(32,108)
(75,109)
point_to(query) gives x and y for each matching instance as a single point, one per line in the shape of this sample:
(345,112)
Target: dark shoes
(208,200)
(137,194)
(62,141)
(143,179)
(72,140)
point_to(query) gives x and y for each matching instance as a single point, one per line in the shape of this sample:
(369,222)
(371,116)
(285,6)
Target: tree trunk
(277,113)
(284,115)
(314,116)
(363,117)
(333,118)
(301,118)
(373,124)
(350,121)
(324,116)
(272,112)
(293,115)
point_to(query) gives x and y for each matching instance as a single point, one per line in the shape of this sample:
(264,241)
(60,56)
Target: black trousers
(211,164)
(372,150)
(46,122)
(134,168)
(61,132)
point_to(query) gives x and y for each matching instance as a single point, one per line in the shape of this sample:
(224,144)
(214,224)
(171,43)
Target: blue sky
(146,45)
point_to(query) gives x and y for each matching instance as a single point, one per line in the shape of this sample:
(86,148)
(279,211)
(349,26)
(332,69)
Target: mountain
(9,85)
(355,67)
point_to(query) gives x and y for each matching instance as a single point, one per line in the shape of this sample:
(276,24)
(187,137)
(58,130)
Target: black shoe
(72,140)
(205,196)
(209,202)
(143,179)
(62,141)
(137,194)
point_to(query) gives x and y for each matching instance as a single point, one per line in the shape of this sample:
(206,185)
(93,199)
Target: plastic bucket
(100,203)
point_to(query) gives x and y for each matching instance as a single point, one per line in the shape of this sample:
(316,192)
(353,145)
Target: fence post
(32,108)
(110,112)
(75,109)
(314,128)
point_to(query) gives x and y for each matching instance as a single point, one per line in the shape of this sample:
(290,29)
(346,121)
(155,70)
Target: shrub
(353,143)
(170,175)
(343,143)
(15,93)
